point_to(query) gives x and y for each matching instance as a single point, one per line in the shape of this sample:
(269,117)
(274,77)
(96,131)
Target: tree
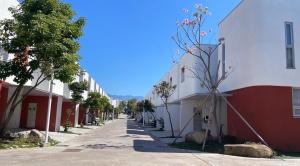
(104,101)
(122,105)
(77,89)
(131,106)
(165,90)
(149,108)
(93,101)
(109,109)
(189,37)
(43,37)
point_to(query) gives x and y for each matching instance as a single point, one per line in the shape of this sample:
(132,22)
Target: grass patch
(211,146)
(22,142)
(285,155)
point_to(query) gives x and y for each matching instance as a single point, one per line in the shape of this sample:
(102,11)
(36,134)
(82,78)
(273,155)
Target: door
(198,120)
(32,108)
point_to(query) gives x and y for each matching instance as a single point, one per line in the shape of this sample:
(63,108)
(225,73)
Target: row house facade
(261,53)
(32,112)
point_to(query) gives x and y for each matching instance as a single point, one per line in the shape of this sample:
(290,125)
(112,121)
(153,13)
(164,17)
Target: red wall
(3,99)
(82,117)
(269,110)
(65,107)
(41,114)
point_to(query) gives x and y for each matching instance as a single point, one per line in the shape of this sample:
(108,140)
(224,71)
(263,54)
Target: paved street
(122,143)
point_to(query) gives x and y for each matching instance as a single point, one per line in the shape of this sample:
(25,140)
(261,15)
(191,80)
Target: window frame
(223,59)
(291,45)
(182,74)
(293,106)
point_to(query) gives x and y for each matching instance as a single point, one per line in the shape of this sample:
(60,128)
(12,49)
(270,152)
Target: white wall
(4,5)
(255,44)
(191,85)
(186,113)
(15,120)
(58,113)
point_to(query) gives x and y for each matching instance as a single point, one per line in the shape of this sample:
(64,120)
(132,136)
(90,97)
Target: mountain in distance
(126,97)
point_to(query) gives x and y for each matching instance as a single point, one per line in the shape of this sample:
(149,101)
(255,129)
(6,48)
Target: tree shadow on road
(149,145)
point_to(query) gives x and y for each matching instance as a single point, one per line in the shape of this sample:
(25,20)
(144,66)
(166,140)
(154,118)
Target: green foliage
(42,34)
(96,102)
(131,104)
(148,106)
(109,108)
(77,89)
(165,90)
(122,105)
(139,106)
(24,142)
(67,125)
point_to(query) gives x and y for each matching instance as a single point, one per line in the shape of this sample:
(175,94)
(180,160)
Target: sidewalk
(64,137)
(162,135)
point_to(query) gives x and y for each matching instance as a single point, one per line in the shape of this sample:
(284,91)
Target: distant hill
(126,97)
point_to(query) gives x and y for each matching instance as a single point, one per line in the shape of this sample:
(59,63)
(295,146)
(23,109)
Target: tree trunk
(215,118)
(10,109)
(170,120)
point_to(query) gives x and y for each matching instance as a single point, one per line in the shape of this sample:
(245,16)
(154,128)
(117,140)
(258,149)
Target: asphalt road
(119,143)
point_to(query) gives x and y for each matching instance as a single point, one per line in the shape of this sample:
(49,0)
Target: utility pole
(49,109)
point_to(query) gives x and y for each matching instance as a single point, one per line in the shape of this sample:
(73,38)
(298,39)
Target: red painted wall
(269,110)
(41,114)
(82,112)
(65,107)
(3,99)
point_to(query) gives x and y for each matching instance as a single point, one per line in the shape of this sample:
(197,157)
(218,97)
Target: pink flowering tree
(189,38)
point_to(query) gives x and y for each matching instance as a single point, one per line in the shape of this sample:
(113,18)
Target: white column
(87,116)
(76,115)
(58,113)
(15,120)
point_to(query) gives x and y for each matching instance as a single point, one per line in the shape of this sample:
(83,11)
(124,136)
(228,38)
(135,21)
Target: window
(296,102)
(223,60)
(289,42)
(171,81)
(182,74)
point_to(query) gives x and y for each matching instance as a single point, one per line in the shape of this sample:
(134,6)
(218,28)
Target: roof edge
(238,5)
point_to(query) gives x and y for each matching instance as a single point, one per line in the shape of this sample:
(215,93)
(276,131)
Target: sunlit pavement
(122,142)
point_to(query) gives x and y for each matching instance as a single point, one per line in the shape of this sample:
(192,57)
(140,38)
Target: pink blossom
(186,21)
(203,34)
(221,39)
(185,10)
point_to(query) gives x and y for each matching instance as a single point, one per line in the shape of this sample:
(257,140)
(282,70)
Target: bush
(161,123)
(67,125)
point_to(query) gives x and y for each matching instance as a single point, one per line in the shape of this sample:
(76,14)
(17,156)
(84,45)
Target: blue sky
(127,45)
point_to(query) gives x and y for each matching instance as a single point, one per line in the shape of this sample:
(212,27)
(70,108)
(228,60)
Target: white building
(262,48)
(187,97)
(31,113)
(261,53)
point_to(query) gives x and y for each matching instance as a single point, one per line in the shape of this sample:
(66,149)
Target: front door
(32,107)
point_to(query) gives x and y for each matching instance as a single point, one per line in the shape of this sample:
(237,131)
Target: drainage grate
(73,150)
